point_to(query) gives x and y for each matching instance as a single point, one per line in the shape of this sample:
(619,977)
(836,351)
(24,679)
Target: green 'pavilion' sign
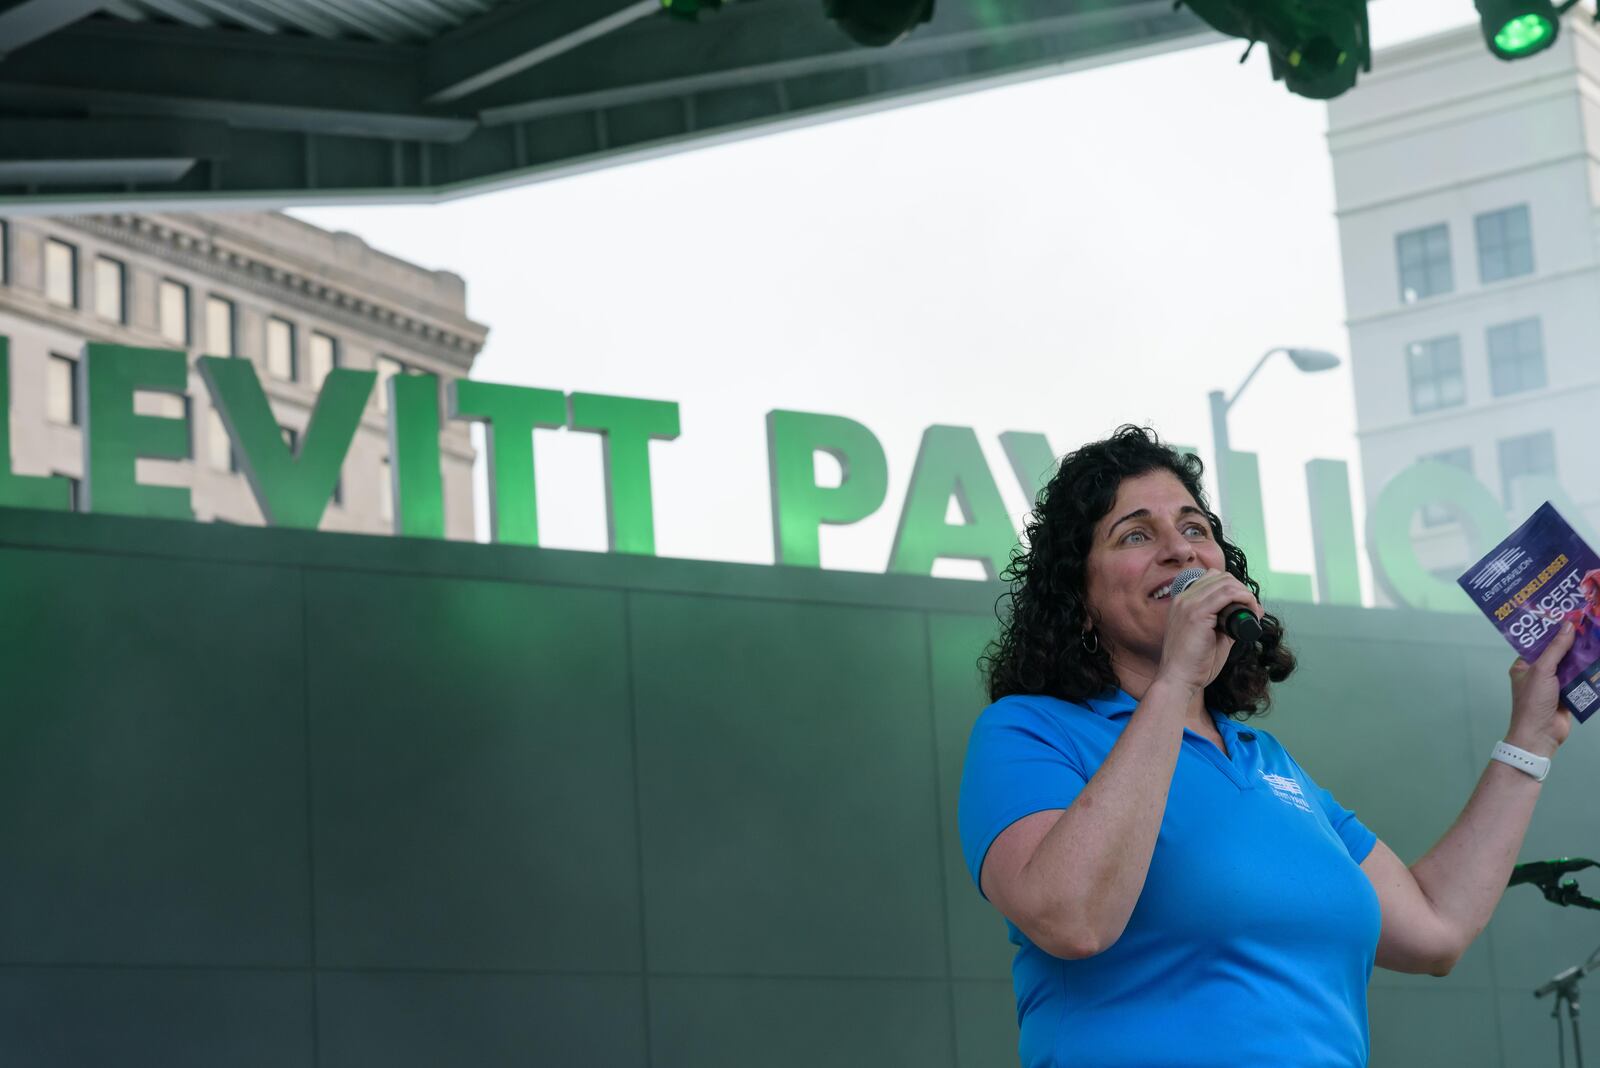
(295,486)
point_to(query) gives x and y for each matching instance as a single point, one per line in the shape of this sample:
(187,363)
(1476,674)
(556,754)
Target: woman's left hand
(1538,722)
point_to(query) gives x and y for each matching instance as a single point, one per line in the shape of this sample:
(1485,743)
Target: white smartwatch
(1522,760)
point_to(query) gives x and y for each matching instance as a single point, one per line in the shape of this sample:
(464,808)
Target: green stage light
(1517,28)
(1527,34)
(1316,46)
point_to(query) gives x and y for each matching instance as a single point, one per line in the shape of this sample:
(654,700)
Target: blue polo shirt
(1253,938)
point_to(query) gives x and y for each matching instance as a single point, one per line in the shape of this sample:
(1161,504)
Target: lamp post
(1308,360)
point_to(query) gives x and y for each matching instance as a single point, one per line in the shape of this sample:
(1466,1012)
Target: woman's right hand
(1194,649)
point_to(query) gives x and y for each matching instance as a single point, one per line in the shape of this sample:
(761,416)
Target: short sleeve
(1358,839)
(1018,762)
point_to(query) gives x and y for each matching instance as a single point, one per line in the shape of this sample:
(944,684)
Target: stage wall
(270,797)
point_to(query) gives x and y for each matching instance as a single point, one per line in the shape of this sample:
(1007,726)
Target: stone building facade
(294,299)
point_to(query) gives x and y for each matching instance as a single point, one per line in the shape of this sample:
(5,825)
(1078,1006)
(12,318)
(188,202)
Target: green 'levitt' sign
(294,488)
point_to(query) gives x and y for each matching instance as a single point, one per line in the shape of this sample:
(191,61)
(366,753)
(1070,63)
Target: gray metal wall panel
(152,778)
(472,776)
(978,945)
(786,789)
(174,1017)
(418,1019)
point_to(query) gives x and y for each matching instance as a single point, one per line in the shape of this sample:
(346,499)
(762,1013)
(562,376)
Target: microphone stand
(1565,984)
(1565,987)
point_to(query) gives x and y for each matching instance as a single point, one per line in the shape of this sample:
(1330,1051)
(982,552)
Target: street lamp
(1309,360)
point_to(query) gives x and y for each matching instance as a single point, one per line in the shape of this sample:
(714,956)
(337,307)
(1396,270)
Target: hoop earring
(1083,640)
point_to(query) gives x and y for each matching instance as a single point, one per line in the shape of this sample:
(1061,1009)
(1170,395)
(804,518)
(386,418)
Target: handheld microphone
(1236,621)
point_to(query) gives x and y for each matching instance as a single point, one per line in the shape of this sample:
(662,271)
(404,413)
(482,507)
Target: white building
(1467,191)
(295,299)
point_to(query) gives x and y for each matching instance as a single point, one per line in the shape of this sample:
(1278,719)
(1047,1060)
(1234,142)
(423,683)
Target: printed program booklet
(1540,575)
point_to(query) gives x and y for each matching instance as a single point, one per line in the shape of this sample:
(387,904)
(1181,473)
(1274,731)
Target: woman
(1180,890)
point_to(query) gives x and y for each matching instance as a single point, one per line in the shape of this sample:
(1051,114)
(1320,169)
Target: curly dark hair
(1039,649)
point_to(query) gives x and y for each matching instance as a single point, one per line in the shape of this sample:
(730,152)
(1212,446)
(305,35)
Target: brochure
(1541,575)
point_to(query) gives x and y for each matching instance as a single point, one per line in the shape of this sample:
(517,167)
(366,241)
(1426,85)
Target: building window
(1530,454)
(338,491)
(219,447)
(1437,515)
(387,367)
(61,405)
(1434,367)
(324,357)
(61,272)
(74,490)
(172,311)
(219,327)
(5,253)
(110,290)
(385,492)
(280,348)
(1424,257)
(1505,244)
(1516,357)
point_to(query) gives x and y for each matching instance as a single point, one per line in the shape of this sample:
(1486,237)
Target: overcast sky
(1056,256)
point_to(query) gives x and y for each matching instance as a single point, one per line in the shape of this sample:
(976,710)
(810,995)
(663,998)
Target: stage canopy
(280,102)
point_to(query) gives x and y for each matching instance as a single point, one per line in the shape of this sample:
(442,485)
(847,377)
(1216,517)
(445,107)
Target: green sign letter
(1530,491)
(626,426)
(114,436)
(293,491)
(23,491)
(950,462)
(1031,461)
(1395,566)
(509,414)
(799,505)
(1247,526)
(1333,532)
(414,472)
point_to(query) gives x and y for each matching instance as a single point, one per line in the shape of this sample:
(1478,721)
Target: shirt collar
(1113,703)
(1117,703)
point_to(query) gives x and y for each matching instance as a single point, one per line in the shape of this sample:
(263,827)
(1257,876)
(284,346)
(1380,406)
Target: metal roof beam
(511,39)
(277,82)
(25,21)
(111,138)
(778,39)
(90,151)
(179,11)
(240,14)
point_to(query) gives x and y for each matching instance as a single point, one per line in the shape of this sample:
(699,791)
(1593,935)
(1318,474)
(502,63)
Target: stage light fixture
(689,10)
(1316,47)
(1514,29)
(877,22)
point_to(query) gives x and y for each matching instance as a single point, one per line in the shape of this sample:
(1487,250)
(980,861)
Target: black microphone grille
(1186,578)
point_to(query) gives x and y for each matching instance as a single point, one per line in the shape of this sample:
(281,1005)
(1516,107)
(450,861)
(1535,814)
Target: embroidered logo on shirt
(1287,790)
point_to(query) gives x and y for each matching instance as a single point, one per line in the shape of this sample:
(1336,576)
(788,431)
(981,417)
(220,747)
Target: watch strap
(1522,760)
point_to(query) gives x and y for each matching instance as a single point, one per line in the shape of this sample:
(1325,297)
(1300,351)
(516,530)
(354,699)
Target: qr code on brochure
(1582,696)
